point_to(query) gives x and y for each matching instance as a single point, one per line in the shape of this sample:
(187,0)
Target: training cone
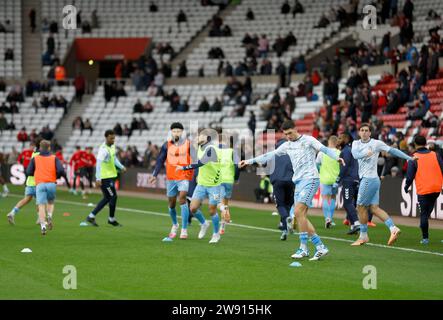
(66,214)
(83,224)
(90,204)
(26,250)
(295,264)
(167,239)
(275,213)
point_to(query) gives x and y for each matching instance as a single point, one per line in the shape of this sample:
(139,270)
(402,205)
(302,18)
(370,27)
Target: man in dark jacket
(348,178)
(427,172)
(281,179)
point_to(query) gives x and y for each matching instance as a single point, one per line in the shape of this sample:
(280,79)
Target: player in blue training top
(302,151)
(366,152)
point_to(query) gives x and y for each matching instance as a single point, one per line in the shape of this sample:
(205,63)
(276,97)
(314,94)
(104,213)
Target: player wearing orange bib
(176,152)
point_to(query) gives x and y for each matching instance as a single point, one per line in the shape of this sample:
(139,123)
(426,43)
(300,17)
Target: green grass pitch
(248,263)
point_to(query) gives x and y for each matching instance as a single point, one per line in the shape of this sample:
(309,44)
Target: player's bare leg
(225,215)
(23,202)
(382,215)
(215,222)
(195,210)
(363,218)
(42,217)
(184,210)
(50,210)
(172,202)
(306,231)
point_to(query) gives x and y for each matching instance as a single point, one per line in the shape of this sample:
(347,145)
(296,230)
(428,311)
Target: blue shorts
(368,192)
(305,191)
(226,190)
(45,193)
(327,190)
(173,187)
(212,193)
(30,191)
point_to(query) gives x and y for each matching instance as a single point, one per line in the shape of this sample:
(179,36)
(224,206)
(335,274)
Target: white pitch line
(256,228)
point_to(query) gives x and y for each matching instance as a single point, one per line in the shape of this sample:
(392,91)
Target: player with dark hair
(427,172)
(176,152)
(366,152)
(106,173)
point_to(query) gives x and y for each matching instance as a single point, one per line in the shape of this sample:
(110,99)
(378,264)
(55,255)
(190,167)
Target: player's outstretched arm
(331,153)
(400,154)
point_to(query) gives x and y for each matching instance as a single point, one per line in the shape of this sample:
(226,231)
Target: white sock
(91,215)
(50,214)
(111,219)
(356,223)
(393,228)
(43,225)
(5,188)
(304,246)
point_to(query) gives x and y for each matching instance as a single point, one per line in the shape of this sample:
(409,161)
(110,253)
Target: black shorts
(82,172)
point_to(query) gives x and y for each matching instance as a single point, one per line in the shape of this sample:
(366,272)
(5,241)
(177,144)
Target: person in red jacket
(90,165)
(25,156)
(59,156)
(78,164)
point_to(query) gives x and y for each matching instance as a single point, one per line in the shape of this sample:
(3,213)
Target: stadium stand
(269,21)
(130,18)
(28,116)
(10,39)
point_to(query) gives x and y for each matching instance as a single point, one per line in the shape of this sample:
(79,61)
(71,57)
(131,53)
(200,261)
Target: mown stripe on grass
(257,228)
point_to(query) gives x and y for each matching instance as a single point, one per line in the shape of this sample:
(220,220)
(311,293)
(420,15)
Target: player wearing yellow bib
(208,183)
(229,174)
(329,169)
(30,191)
(106,173)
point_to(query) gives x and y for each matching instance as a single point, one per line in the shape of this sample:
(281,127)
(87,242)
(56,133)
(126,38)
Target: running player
(106,174)
(302,150)
(208,183)
(366,151)
(176,152)
(45,168)
(229,175)
(30,187)
(2,179)
(79,166)
(90,162)
(329,170)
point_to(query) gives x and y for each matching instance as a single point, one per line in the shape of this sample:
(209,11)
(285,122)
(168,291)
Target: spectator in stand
(323,22)
(252,123)
(204,106)
(263,46)
(9,54)
(33,135)
(22,136)
(250,15)
(153,7)
(433,64)
(3,123)
(50,44)
(126,131)
(181,17)
(285,8)
(266,67)
(80,85)
(86,27)
(182,70)
(138,107)
(142,125)
(216,106)
(77,124)
(32,15)
(298,8)
(88,126)
(94,20)
(118,130)
(408,9)
(148,107)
